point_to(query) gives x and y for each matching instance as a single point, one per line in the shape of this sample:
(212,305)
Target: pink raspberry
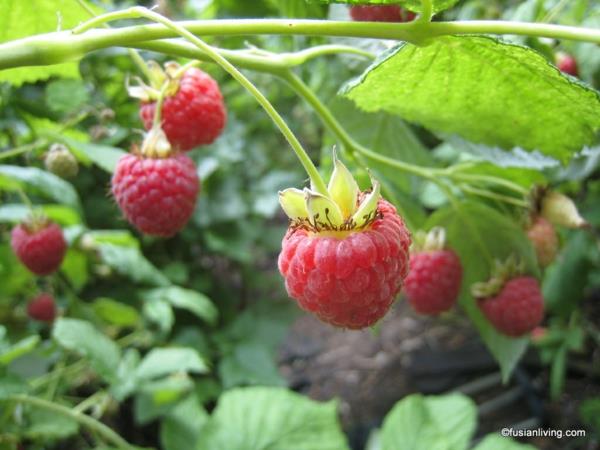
(156,195)
(39,245)
(349,279)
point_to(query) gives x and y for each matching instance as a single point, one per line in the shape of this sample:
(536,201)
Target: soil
(369,371)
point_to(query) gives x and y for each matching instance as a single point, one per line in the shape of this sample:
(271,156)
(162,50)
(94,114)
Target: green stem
(488,179)
(23,149)
(86,421)
(494,196)
(58,47)
(426,11)
(346,140)
(133,54)
(313,173)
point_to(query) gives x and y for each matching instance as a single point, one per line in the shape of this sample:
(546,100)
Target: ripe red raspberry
(433,282)
(386,13)
(544,239)
(42,308)
(156,195)
(517,309)
(348,281)
(195,115)
(40,245)
(567,64)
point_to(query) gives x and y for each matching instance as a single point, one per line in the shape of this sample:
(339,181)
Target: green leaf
(182,426)
(259,418)
(485,90)
(590,412)
(64,215)
(430,423)
(480,234)
(250,364)
(164,361)
(130,262)
(44,183)
(75,268)
(158,398)
(81,337)
(24,346)
(192,301)
(412,5)
(160,313)
(11,384)
(103,156)
(494,441)
(116,313)
(21,18)
(48,425)
(66,95)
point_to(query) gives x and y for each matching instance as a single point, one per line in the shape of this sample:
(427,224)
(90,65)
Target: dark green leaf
(116,313)
(67,95)
(181,428)
(494,441)
(130,262)
(81,337)
(480,234)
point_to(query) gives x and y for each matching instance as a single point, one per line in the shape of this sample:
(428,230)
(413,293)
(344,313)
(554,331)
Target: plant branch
(139,12)
(63,46)
(86,421)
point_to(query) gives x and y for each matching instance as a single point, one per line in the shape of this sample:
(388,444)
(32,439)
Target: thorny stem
(86,421)
(136,12)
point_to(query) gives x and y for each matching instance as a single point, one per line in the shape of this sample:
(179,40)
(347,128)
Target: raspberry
(386,13)
(42,308)
(60,161)
(433,282)
(567,64)
(156,195)
(517,309)
(40,245)
(544,239)
(194,115)
(349,280)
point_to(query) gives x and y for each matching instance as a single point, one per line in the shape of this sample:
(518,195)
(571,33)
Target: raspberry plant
(455,124)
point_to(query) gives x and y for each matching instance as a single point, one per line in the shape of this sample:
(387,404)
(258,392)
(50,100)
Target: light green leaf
(116,313)
(259,418)
(490,235)
(250,364)
(64,215)
(430,423)
(81,337)
(164,361)
(182,426)
(486,91)
(21,18)
(44,183)
(494,441)
(75,268)
(412,5)
(24,346)
(192,301)
(47,425)
(103,156)
(130,262)
(159,313)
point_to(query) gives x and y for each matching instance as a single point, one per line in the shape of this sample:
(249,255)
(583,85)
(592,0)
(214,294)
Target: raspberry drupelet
(347,269)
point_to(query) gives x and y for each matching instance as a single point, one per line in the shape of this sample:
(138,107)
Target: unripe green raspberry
(60,161)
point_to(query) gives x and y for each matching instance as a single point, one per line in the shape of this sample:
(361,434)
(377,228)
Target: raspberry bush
(158,236)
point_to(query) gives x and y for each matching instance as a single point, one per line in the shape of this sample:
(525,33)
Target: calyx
(502,272)
(433,240)
(166,79)
(344,208)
